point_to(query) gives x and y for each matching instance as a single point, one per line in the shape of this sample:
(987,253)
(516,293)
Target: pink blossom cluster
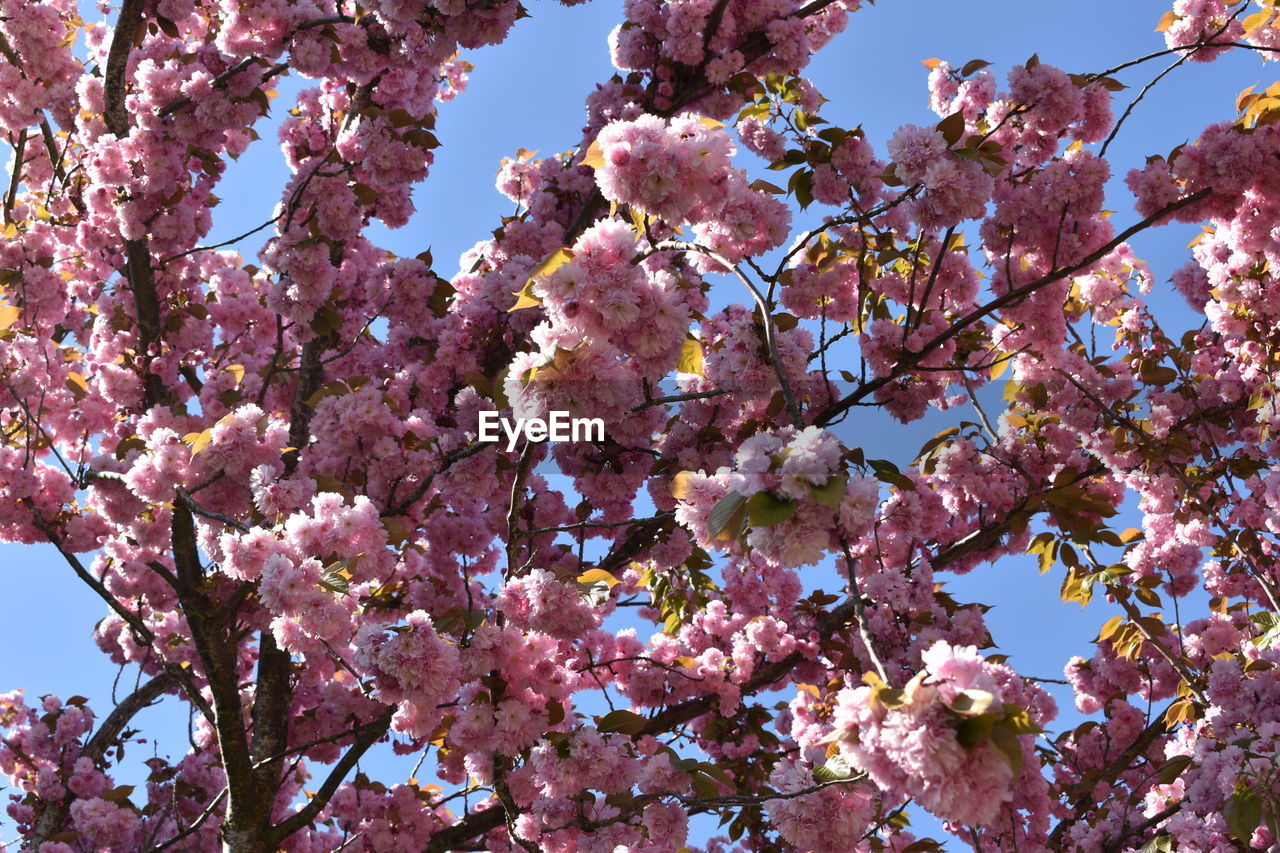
(268,466)
(1203,22)
(415,669)
(661,35)
(790,467)
(826,821)
(677,170)
(955,189)
(914,748)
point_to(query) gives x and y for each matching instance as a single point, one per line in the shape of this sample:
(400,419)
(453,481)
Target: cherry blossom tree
(269,467)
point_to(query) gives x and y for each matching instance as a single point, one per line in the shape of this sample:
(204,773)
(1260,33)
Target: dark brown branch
(248,807)
(420,491)
(310,377)
(641,536)
(1189,54)
(320,799)
(195,824)
(138,268)
(16,179)
(113,95)
(218,82)
(1116,841)
(142,634)
(1080,808)
(677,398)
(510,811)
(186,501)
(1128,110)
(911,359)
(115,722)
(272,691)
(46,130)
(55,813)
(320,741)
(270,713)
(193,379)
(513,508)
(472,826)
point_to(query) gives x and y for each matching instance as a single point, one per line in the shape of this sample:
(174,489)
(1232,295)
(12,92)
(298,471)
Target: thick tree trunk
(248,840)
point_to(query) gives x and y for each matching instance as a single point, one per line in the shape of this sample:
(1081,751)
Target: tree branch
(117,119)
(55,813)
(911,359)
(307,813)
(766,320)
(249,807)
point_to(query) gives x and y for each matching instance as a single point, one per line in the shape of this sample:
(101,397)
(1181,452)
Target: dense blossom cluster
(948,706)
(797,498)
(271,471)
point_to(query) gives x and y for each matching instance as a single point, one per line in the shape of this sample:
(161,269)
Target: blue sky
(529,93)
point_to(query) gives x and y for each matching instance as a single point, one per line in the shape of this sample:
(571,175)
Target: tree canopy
(271,457)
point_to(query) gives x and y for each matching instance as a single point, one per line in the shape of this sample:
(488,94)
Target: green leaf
(890,697)
(727,517)
(1010,747)
(794,157)
(836,768)
(758,110)
(553,262)
(973,729)
(1109,628)
(1018,721)
(326,319)
(804,188)
(831,492)
(704,785)
(1077,586)
(682,485)
(887,472)
(972,703)
(76,385)
(1173,769)
(118,794)
(424,139)
(336,576)
(933,443)
(1158,375)
(884,695)
(1147,596)
(1265,621)
(1243,814)
(626,722)
(762,186)
(594,156)
(764,510)
(924,845)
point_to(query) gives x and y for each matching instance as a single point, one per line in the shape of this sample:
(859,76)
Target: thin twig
(195,824)
(1102,152)
(766,319)
(911,359)
(186,501)
(677,398)
(513,509)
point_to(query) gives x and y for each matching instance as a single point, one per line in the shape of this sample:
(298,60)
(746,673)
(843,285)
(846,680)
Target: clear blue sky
(529,92)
